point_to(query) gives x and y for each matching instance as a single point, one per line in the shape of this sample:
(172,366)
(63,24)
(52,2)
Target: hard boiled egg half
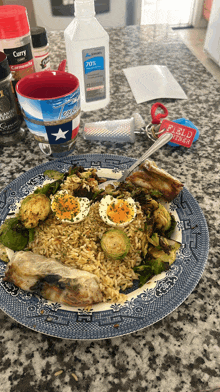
(68,208)
(117,212)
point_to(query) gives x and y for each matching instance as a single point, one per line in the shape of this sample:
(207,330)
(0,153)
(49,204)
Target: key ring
(183,130)
(156,117)
(152,129)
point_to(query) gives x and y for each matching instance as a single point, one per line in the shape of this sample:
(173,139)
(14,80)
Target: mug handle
(62,66)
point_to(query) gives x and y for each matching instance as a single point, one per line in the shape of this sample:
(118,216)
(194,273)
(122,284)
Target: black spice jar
(10,122)
(40,49)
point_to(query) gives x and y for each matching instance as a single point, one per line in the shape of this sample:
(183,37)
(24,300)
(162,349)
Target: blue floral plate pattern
(144,306)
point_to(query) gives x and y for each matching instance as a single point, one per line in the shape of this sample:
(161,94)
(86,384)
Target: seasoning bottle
(10,122)
(40,48)
(87,48)
(16,40)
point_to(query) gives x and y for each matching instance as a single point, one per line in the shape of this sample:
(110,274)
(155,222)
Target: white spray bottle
(87,48)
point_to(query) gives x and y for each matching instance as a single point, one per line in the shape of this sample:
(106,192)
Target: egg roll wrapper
(53,280)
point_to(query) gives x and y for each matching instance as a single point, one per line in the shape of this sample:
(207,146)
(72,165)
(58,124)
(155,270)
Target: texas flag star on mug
(60,133)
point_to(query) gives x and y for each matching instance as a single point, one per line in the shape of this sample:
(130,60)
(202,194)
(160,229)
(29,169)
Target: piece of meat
(53,280)
(151,177)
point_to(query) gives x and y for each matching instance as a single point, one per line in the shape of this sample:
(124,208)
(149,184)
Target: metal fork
(165,138)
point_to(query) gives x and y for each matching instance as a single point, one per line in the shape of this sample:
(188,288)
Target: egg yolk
(120,212)
(66,207)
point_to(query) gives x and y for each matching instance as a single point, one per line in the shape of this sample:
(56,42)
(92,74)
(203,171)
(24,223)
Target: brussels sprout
(3,253)
(34,208)
(115,243)
(149,269)
(154,240)
(86,174)
(162,218)
(49,189)
(13,234)
(168,256)
(160,242)
(54,174)
(171,228)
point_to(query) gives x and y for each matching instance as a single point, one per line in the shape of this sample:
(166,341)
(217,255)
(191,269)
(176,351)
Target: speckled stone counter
(182,351)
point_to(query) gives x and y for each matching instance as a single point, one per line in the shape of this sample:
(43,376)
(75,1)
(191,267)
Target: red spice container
(16,40)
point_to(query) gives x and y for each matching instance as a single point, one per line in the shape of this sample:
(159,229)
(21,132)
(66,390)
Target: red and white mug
(50,103)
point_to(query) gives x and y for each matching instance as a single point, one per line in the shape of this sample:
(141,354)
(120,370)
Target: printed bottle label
(19,55)
(9,120)
(94,73)
(20,61)
(42,63)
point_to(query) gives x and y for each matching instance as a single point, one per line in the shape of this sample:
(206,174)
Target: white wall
(212,39)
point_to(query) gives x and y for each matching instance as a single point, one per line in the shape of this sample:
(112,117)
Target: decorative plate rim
(138,312)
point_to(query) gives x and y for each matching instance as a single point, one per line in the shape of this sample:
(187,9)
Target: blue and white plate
(144,306)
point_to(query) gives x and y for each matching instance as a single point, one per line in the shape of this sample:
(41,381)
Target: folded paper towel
(150,82)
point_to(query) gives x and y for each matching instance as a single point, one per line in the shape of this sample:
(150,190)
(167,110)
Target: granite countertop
(182,351)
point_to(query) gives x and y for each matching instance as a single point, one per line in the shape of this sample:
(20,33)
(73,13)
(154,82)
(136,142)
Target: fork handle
(165,138)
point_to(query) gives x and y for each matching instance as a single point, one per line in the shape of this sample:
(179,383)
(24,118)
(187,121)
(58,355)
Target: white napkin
(150,82)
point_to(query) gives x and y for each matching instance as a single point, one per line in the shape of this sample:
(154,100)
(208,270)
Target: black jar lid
(39,37)
(4,66)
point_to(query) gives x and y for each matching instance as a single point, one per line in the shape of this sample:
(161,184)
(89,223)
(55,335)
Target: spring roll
(53,280)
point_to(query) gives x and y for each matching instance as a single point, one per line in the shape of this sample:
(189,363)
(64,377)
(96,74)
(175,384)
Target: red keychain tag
(182,135)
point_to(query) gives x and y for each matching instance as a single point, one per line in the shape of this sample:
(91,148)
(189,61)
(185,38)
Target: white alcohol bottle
(87,48)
